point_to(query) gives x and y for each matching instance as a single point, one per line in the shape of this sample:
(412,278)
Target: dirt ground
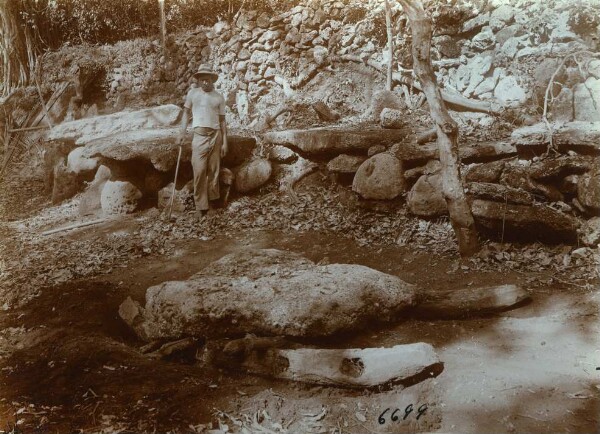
(69,364)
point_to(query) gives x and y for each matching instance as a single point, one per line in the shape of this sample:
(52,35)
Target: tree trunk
(390,38)
(447,130)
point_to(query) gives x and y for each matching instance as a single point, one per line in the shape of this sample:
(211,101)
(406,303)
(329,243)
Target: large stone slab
(468,152)
(577,136)
(335,140)
(159,147)
(84,130)
(269,292)
(499,193)
(510,221)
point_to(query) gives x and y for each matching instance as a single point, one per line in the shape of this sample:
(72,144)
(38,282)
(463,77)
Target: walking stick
(174,184)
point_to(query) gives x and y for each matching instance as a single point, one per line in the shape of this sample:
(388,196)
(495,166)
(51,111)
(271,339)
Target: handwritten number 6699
(407,411)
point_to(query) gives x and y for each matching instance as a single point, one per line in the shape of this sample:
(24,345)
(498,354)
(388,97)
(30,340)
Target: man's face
(205,83)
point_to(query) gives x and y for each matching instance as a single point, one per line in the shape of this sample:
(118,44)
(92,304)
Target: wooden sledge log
(455,100)
(349,368)
(471,302)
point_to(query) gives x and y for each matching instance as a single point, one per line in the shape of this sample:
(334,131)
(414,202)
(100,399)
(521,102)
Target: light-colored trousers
(206,159)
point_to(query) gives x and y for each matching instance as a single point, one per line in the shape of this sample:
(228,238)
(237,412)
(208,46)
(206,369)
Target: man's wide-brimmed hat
(206,70)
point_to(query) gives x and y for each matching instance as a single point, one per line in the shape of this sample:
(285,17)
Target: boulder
(385,99)
(334,140)
(498,193)
(252,175)
(504,13)
(282,155)
(477,68)
(392,118)
(84,130)
(380,177)
(586,100)
(346,163)
(90,199)
(269,292)
(561,109)
(484,40)
(78,163)
(589,232)
(66,184)
(119,197)
(55,151)
(511,221)
(509,92)
(477,22)
(426,199)
(183,200)
(588,189)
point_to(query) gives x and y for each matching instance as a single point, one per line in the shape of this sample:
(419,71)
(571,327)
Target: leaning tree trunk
(447,130)
(390,38)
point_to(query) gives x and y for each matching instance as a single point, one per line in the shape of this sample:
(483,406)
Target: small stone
(589,232)
(391,118)
(376,149)
(345,163)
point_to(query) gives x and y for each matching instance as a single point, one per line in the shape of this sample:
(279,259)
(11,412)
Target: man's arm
(184,124)
(185,120)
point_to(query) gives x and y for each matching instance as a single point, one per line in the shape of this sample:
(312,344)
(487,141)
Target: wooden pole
(447,130)
(174,184)
(75,226)
(163,27)
(39,127)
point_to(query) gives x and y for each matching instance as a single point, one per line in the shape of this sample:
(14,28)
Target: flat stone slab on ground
(269,292)
(335,140)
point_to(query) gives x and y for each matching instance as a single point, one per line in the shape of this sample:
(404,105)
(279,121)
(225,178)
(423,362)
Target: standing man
(210,136)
